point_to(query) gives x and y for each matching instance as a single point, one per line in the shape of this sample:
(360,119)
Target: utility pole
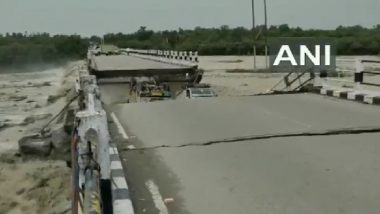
(265,34)
(253,34)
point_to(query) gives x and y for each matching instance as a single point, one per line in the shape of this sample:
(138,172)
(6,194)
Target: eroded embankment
(28,101)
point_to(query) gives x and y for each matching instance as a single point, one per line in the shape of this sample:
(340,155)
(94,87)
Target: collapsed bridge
(294,153)
(165,66)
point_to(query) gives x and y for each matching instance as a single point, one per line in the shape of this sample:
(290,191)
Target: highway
(169,155)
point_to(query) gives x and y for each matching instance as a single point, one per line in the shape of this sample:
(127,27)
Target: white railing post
(186,58)
(358,77)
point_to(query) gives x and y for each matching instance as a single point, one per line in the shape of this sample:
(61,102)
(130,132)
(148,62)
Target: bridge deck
(126,62)
(319,174)
(126,65)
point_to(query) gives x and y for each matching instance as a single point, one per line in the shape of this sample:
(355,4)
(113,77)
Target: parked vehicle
(148,92)
(198,91)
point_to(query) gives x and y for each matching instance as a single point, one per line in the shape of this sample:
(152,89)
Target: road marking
(116,165)
(123,207)
(157,198)
(324,91)
(119,126)
(113,151)
(119,183)
(351,95)
(368,99)
(336,93)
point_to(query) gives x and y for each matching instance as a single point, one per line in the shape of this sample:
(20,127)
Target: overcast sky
(88,17)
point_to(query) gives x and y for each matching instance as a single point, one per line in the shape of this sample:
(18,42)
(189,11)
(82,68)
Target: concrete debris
(35,145)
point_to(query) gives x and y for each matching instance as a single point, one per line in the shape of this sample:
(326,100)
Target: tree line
(22,48)
(354,40)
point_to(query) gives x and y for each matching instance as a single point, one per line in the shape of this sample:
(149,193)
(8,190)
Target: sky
(97,17)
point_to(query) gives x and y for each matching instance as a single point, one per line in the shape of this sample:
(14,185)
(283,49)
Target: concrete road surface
(192,121)
(303,174)
(126,62)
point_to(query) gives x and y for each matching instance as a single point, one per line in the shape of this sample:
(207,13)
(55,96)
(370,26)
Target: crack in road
(332,132)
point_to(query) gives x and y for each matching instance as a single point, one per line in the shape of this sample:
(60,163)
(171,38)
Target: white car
(193,93)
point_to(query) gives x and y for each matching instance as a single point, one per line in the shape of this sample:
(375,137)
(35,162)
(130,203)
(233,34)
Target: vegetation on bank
(354,40)
(22,49)
(18,50)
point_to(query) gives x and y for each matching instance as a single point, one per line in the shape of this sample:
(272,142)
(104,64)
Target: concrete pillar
(191,57)
(358,77)
(91,104)
(96,122)
(176,55)
(196,56)
(185,56)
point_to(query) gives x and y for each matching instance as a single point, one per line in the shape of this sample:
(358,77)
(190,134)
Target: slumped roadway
(315,174)
(133,66)
(127,62)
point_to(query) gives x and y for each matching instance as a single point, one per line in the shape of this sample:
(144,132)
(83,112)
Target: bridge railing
(361,71)
(185,58)
(94,190)
(90,149)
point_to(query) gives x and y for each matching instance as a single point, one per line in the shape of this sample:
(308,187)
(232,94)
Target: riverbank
(28,101)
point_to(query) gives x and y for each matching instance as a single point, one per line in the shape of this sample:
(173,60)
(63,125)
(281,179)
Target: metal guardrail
(360,71)
(182,58)
(178,55)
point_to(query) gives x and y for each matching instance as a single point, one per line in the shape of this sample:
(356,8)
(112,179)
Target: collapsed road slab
(126,62)
(279,174)
(132,66)
(176,123)
(325,174)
